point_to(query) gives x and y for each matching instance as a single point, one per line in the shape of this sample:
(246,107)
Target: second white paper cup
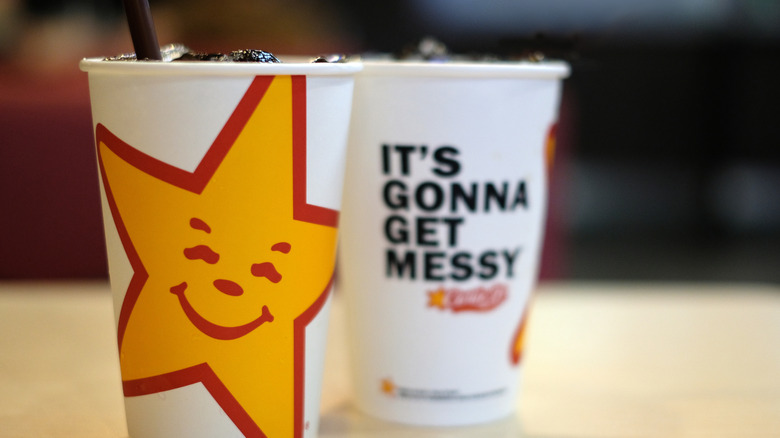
(444,207)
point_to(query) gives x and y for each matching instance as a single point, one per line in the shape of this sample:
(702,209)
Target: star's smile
(213,330)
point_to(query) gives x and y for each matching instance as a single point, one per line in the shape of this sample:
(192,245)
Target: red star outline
(195,182)
(515,354)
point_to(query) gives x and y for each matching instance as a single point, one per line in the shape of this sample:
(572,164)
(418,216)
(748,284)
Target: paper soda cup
(444,207)
(221,187)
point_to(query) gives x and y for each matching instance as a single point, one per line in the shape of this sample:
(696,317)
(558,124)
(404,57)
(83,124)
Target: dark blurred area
(668,164)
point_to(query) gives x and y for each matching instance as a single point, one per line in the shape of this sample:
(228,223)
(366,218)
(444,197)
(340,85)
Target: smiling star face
(230,262)
(228,287)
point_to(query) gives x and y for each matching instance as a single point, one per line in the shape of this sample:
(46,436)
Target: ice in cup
(444,207)
(221,185)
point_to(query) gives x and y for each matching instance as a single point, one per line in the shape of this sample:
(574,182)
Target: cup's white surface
(444,206)
(167,125)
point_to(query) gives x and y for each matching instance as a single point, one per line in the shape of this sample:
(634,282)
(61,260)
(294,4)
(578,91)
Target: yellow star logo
(550,145)
(437,298)
(388,387)
(518,340)
(230,262)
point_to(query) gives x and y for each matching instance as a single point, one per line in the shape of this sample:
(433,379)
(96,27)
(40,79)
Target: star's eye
(201,252)
(266,270)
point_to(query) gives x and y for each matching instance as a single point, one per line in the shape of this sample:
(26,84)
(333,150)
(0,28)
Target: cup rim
(102,65)
(488,69)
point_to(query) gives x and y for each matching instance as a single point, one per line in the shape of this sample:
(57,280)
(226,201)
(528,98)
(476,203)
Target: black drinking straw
(139,18)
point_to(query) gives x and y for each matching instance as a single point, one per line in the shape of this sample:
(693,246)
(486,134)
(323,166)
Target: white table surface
(602,360)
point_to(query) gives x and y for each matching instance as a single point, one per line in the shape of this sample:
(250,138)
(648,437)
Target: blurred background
(668,164)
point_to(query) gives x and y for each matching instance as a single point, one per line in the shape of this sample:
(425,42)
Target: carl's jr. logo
(230,262)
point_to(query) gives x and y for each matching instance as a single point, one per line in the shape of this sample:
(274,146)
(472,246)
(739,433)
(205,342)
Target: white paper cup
(444,206)
(221,186)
